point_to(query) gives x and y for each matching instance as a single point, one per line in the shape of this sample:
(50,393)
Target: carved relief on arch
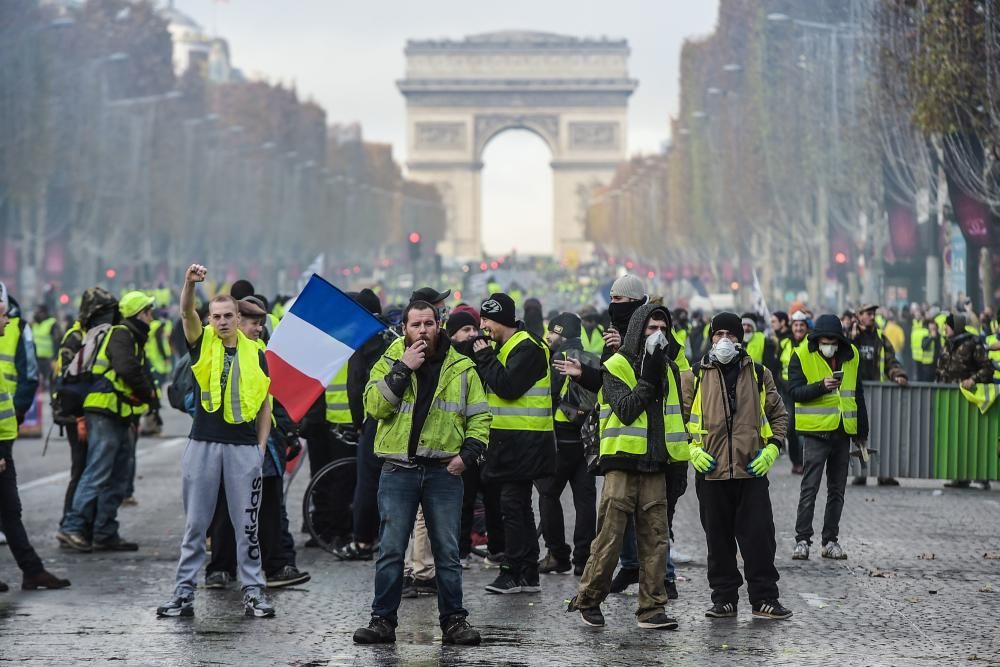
(544,125)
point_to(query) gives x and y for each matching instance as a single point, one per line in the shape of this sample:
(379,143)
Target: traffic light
(414,239)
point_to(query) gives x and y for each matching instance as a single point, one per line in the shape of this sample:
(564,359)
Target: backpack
(70,389)
(181,384)
(578,401)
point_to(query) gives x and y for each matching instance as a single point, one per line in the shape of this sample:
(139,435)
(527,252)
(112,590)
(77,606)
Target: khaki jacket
(734,449)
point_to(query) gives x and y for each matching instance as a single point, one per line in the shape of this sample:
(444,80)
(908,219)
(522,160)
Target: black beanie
(566,325)
(459,320)
(499,308)
(726,321)
(950,321)
(370,301)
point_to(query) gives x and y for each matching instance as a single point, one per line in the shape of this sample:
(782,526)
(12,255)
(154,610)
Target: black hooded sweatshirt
(647,397)
(801,391)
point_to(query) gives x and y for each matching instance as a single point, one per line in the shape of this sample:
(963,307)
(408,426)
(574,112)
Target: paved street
(921,587)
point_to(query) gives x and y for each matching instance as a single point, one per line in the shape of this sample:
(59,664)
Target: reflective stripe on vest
(8,418)
(826,412)
(42,333)
(620,438)
(533,410)
(246,386)
(338,408)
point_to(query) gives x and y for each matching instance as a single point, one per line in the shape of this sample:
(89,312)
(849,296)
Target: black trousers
(369,469)
(274,555)
(10,516)
(834,454)
(474,485)
(77,462)
(737,512)
(520,536)
(332,515)
(677,484)
(571,468)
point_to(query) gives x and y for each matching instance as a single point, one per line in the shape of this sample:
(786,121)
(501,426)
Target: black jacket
(647,397)
(359,368)
(566,433)
(803,392)
(516,455)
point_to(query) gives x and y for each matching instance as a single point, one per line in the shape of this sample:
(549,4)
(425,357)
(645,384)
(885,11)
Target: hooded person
(642,431)
(737,422)
(830,414)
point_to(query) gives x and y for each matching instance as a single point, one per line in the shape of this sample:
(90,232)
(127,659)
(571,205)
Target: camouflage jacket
(963,357)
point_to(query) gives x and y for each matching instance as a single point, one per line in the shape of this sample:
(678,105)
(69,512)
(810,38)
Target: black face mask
(621,313)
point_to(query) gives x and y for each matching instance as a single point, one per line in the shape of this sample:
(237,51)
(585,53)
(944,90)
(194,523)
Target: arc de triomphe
(571,92)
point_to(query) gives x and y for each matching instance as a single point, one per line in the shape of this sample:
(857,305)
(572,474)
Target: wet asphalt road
(921,587)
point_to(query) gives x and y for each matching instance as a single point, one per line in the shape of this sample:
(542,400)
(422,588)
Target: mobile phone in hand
(838,376)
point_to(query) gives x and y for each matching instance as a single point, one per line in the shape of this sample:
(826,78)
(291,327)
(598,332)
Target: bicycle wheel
(337,474)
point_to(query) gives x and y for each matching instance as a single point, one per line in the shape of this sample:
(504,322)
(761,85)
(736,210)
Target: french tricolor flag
(313,341)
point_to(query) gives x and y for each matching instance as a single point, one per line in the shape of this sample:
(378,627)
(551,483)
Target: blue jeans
(105,479)
(400,492)
(630,552)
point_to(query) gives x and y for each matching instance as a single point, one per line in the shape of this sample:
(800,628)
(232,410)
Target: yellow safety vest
(755,348)
(157,359)
(918,335)
(110,393)
(695,424)
(826,412)
(619,438)
(983,397)
(57,368)
(593,342)
(42,333)
(338,409)
(787,350)
(246,386)
(8,417)
(8,349)
(994,355)
(533,410)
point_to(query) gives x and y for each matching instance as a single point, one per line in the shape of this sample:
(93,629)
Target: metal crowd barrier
(931,431)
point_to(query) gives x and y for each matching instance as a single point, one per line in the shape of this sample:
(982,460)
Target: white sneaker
(3,538)
(833,550)
(679,556)
(466,564)
(801,551)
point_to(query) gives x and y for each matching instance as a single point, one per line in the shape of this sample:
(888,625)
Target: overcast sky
(347,57)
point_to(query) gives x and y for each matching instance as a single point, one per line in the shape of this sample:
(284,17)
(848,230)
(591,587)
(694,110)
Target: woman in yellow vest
(642,431)
(829,413)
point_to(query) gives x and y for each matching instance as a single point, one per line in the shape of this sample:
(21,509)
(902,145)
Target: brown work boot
(43,579)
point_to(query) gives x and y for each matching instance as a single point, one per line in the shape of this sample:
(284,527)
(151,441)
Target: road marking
(42,481)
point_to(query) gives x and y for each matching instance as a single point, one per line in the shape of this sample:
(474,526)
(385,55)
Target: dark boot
(43,579)
(4,587)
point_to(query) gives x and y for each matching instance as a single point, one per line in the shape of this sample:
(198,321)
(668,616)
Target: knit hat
(466,308)
(748,319)
(630,287)
(499,308)
(459,320)
(828,326)
(566,325)
(800,316)
(241,288)
(726,321)
(134,303)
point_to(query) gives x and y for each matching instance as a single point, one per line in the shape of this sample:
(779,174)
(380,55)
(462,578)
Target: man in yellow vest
(924,361)
(798,327)
(121,392)
(878,363)
(642,431)
(592,333)
(34,574)
(563,339)
(228,437)
(433,421)
(522,446)
(45,332)
(824,381)
(737,422)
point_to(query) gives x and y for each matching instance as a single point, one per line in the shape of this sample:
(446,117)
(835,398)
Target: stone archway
(571,92)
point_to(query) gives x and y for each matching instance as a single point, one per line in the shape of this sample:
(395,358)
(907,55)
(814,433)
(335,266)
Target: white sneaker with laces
(833,550)
(801,551)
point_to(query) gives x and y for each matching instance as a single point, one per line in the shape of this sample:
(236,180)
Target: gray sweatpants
(204,466)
